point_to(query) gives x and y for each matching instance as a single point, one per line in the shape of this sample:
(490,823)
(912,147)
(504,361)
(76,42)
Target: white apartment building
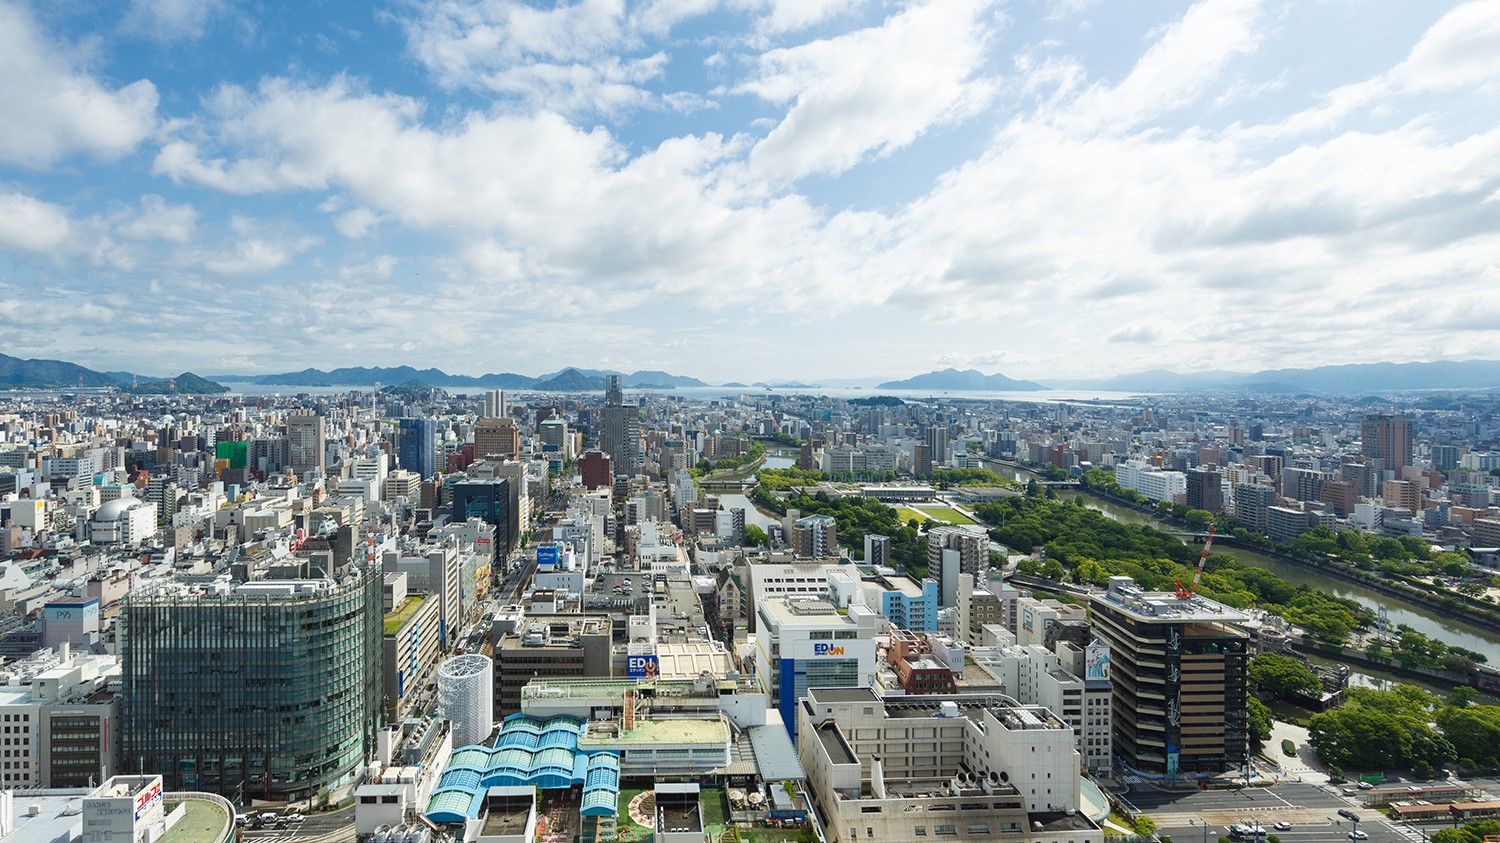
(1151,481)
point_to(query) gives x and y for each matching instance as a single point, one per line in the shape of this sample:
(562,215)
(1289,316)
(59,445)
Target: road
(334,825)
(1312,810)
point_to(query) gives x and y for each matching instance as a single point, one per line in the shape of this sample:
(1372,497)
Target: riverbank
(1432,619)
(1482,681)
(1483,616)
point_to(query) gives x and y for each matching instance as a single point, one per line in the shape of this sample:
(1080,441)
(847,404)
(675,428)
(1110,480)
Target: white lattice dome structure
(466,696)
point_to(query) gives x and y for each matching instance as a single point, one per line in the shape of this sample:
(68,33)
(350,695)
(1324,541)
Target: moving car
(1282,826)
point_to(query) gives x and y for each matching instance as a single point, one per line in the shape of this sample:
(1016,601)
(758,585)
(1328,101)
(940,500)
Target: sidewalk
(1305,767)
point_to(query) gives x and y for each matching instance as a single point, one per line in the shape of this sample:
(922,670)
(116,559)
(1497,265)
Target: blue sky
(749,189)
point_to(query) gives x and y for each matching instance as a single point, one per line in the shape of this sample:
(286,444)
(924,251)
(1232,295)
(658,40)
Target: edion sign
(642,667)
(828,649)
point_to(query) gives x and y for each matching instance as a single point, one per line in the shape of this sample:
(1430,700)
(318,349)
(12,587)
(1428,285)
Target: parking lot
(1312,810)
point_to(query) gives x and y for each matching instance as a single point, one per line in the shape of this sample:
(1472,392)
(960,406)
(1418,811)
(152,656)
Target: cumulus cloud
(53,107)
(31,225)
(872,91)
(171,20)
(160,220)
(917,171)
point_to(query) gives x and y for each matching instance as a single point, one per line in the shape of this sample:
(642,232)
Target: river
(1420,618)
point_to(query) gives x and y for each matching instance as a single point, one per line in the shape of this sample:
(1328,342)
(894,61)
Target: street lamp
(1205,829)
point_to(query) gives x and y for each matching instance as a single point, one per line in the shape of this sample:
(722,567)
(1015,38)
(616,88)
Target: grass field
(942,514)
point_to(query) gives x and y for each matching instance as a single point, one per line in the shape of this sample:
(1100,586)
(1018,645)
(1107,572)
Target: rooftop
(203,821)
(398,617)
(607,735)
(1164,606)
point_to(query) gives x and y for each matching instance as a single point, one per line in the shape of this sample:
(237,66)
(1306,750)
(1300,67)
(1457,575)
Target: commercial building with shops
(268,689)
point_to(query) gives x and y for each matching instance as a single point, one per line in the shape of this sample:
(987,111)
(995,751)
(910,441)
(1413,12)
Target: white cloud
(53,107)
(1178,68)
(872,91)
(31,225)
(574,57)
(356,223)
(159,220)
(1461,50)
(257,248)
(783,16)
(1096,205)
(171,20)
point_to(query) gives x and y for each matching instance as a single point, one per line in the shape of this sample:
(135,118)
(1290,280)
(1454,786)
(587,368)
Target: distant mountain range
(565,380)
(186,383)
(1348,379)
(967,379)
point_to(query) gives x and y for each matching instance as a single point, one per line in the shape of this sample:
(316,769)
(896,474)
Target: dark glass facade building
(269,690)
(416,446)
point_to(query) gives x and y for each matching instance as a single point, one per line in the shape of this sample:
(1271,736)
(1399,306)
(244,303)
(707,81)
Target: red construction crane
(1185,592)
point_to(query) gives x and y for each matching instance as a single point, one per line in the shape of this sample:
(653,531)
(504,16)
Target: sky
(749,189)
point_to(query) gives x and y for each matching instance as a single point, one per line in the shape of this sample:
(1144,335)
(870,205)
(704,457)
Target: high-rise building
(307,441)
(620,433)
(1205,489)
(1402,494)
(1251,500)
(496,436)
(494,501)
(878,550)
(494,404)
(1340,495)
(265,690)
(1445,457)
(1364,476)
(416,446)
(814,536)
(935,436)
(953,551)
(805,642)
(1387,438)
(1303,484)
(1178,667)
(595,470)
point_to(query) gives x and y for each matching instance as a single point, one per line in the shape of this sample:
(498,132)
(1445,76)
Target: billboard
(822,649)
(1096,663)
(546,555)
(147,799)
(642,667)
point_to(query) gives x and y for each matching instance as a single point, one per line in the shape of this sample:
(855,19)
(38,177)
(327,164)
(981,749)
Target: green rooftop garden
(394,620)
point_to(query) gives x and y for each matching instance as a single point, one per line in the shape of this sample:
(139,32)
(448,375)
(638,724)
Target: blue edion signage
(642,667)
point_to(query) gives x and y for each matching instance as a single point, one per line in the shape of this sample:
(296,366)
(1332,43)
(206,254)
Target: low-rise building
(966,768)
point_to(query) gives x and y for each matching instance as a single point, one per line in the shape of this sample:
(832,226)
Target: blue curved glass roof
(528,751)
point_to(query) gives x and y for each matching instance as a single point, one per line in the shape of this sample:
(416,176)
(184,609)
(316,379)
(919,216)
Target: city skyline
(750,190)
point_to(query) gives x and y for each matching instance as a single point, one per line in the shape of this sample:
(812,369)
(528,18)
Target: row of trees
(781,479)
(856,517)
(749,457)
(1474,832)
(1407,727)
(948,478)
(1403,558)
(1383,729)
(1085,546)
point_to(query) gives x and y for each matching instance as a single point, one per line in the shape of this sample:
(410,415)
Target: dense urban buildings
(262,598)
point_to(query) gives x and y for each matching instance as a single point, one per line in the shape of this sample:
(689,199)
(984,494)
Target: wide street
(1189,817)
